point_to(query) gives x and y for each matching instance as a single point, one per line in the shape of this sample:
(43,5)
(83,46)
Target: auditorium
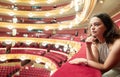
(44,38)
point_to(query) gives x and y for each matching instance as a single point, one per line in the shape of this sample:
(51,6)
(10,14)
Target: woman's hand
(78,61)
(90,39)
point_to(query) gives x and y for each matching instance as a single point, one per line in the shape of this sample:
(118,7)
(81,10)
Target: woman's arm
(114,56)
(112,59)
(91,49)
(92,52)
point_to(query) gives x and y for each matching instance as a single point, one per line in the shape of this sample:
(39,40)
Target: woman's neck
(101,39)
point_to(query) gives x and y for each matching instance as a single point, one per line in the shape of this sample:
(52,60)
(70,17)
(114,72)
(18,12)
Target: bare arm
(91,49)
(92,52)
(112,59)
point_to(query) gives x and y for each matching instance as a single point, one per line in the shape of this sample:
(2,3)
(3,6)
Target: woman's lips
(93,31)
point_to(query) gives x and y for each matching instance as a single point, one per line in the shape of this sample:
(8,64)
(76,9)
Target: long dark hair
(111,32)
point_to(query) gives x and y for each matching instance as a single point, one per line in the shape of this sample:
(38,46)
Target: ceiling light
(101,1)
(15,20)
(23,57)
(8,41)
(56,46)
(25,35)
(47,14)
(50,1)
(15,8)
(30,14)
(46,28)
(47,64)
(11,13)
(32,2)
(29,28)
(76,8)
(44,43)
(62,11)
(13,1)
(60,28)
(38,60)
(14,32)
(70,25)
(10,27)
(3,58)
(28,42)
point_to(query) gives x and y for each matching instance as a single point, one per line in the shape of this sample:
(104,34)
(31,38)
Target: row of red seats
(54,59)
(2,50)
(60,56)
(35,35)
(59,59)
(62,36)
(34,72)
(48,47)
(28,51)
(8,71)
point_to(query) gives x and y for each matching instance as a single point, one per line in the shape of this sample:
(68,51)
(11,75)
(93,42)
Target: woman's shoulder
(116,44)
(117,41)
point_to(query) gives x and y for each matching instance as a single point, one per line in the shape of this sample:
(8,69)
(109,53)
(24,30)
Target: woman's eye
(97,24)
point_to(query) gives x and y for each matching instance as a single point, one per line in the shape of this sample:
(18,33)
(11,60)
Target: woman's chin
(94,35)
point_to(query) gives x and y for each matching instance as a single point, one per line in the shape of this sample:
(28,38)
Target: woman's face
(97,27)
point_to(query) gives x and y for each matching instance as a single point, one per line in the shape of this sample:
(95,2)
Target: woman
(102,46)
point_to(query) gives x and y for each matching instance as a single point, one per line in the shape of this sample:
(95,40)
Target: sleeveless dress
(103,53)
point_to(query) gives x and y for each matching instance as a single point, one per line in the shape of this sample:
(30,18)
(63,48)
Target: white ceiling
(109,6)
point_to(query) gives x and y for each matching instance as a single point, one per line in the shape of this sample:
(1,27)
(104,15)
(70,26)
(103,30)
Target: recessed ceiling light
(101,1)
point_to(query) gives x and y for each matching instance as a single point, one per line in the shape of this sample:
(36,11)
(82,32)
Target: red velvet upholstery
(69,70)
(2,50)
